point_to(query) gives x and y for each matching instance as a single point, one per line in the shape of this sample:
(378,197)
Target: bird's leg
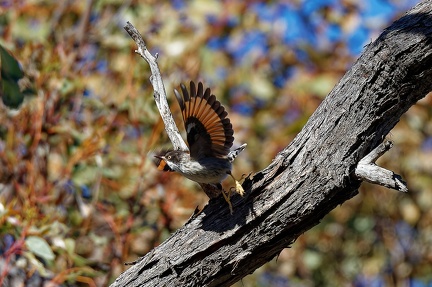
(227,199)
(227,194)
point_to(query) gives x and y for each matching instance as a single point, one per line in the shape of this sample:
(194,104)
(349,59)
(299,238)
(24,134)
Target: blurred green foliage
(10,75)
(79,195)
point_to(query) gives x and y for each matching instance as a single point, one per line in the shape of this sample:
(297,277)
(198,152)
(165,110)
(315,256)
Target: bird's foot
(238,187)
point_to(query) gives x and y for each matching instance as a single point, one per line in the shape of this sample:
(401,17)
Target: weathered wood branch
(368,171)
(310,177)
(159,89)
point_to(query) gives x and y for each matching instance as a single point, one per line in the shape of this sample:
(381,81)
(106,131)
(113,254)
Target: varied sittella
(209,136)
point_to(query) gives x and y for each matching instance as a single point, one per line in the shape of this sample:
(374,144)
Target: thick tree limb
(310,177)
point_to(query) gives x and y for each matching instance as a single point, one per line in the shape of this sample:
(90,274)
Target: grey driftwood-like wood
(159,89)
(310,177)
(367,170)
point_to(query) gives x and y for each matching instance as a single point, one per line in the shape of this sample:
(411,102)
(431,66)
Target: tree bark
(310,177)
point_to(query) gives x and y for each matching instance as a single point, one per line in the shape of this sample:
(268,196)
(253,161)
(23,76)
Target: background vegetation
(79,195)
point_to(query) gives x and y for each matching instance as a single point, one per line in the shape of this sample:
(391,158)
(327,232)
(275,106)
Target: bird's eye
(169,157)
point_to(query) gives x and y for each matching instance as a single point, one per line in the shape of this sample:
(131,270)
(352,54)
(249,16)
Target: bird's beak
(162,165)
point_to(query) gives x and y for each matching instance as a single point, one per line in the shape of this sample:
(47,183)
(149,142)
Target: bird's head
(172,160)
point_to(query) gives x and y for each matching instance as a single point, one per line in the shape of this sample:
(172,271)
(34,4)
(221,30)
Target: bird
(209,135)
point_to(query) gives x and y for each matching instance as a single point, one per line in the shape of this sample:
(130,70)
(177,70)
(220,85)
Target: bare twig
(159,89)
(367,170)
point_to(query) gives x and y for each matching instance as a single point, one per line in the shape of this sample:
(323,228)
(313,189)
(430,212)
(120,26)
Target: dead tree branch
(159,89)
(367,170)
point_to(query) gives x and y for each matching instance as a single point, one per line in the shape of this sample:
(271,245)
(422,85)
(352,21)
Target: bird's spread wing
(209,131)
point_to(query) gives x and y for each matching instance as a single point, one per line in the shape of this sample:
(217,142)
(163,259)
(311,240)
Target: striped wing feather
(209,131)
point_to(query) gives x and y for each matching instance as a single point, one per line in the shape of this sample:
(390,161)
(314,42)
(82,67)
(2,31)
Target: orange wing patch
(209,131)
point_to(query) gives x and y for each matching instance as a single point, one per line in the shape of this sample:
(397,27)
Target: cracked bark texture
(310,177)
